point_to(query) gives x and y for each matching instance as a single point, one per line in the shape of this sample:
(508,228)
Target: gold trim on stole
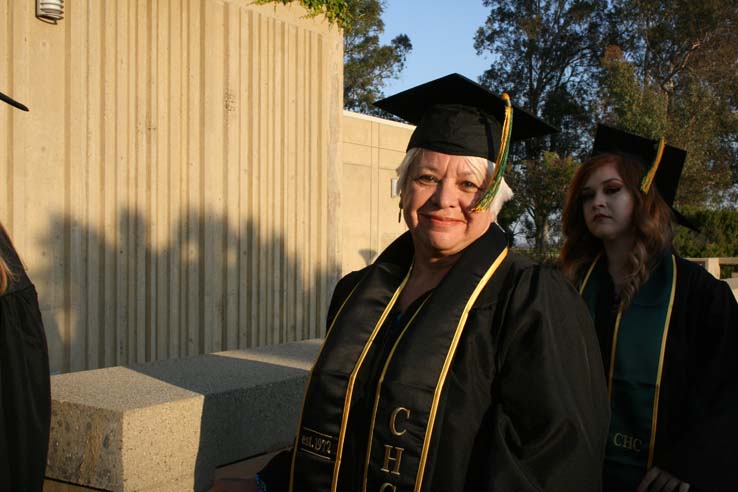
(614,344)
(352,380)
(447,365)
(589,273)
(657,393)
(307,385)
(349,389)
(379,386)
(616,329)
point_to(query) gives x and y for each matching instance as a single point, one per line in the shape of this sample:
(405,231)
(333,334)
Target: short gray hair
(504,193)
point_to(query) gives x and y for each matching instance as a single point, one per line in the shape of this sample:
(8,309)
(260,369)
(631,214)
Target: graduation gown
(523,406)
(25,400)
(697,426)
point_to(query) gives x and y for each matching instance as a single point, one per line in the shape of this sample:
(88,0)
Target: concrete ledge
(166,425)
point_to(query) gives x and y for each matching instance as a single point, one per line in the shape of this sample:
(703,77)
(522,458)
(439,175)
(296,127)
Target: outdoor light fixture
(50,10)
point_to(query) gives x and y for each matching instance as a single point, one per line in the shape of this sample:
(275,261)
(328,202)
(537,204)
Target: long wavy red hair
(651,225)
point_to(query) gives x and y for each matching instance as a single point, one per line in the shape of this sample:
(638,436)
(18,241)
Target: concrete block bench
(165,426)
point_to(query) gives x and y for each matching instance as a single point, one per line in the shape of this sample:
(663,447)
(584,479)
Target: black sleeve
(276,473)
(551,414)
(25,398)
(704,455)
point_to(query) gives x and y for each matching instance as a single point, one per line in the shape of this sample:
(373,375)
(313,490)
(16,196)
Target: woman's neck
(617,251)
(426,275)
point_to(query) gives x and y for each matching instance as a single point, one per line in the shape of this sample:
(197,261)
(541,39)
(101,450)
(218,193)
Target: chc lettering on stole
(393,454)
(625,441)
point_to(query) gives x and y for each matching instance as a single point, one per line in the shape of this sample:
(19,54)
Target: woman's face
(607,204)
(439,193)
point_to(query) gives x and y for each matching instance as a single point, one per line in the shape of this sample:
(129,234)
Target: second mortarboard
(662,164)
(612,140)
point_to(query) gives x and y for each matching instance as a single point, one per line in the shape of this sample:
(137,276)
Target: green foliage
(336,11)
(546,57)
(655,67)
(540,190)
(642,110)
(718,236)
(670,69)
(366,62)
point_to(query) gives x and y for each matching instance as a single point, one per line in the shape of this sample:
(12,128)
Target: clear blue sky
(442,34)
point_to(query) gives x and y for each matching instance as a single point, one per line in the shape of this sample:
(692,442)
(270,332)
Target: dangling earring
(399,214)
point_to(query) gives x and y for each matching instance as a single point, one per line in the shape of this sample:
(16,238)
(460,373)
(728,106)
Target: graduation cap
(13,102)
(662,164)
(457,116)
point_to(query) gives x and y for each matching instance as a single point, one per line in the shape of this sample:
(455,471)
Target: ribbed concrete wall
(173,190)
(372,150)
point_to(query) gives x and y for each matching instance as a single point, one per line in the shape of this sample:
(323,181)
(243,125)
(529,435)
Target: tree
(540,190)
(367,63)
(545,54)
(670,70)
(546,57)
(336,11)
(718,236)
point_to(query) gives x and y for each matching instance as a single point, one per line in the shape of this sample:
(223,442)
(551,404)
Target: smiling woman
(451,363)
(437,202)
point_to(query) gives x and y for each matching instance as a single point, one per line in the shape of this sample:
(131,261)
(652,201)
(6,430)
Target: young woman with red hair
(667,328)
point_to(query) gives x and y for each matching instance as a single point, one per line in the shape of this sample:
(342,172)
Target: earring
(399,214)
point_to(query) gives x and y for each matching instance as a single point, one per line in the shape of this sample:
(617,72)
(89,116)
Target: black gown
(524,407)
(25,400)
(697,426)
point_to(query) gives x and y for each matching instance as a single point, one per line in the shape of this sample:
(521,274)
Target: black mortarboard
(455,115)
(645,150)
(13,102)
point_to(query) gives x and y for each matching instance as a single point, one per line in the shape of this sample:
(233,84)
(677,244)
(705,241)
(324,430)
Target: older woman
(25,399)
(450,363)
(668,330)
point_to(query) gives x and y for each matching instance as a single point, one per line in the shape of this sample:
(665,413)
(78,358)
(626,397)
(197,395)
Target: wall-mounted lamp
(50,10)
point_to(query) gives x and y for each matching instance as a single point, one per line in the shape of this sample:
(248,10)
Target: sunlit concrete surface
(166,425)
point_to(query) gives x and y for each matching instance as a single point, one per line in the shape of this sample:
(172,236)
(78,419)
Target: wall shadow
(368,255)
(223,439)
(132,293)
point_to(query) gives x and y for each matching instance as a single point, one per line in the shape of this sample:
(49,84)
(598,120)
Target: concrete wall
(372,150)
(175,188)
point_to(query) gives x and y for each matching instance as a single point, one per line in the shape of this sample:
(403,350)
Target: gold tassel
(502,154)
(651,174)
